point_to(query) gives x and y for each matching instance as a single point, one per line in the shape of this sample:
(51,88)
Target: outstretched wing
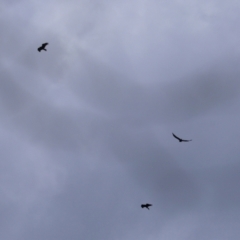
(176,136)
(148,205)
(187,140)
(44,45)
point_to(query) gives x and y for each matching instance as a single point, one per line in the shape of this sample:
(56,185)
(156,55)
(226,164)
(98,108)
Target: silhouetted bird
(147,205)
(43,47)
(181,140)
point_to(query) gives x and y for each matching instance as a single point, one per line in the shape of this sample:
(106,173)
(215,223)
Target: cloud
(86,126)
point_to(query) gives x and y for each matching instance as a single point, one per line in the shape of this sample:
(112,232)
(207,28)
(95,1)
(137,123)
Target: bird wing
(176,136)
(44,44)
(187,140)
(148,204)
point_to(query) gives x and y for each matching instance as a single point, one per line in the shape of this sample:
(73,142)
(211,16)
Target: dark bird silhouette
(179,139)
(147,205)
(43,47)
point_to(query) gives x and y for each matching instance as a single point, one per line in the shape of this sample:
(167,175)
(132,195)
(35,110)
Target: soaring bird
(179,139)
(43,47)
(147,205)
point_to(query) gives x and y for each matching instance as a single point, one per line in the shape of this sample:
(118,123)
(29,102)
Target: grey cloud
(86,126)
(192,96)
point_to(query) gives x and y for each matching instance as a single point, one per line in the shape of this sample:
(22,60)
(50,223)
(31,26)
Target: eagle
(147,205)
(43,47)
(179,139)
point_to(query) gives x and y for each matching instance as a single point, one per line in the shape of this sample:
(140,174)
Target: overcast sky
(86,127)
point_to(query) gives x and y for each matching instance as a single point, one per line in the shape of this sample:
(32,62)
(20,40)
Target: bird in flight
(179,139)
(43,47)
(147,205)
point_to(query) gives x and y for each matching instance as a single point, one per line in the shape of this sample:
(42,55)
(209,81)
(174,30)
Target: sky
(86,127)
